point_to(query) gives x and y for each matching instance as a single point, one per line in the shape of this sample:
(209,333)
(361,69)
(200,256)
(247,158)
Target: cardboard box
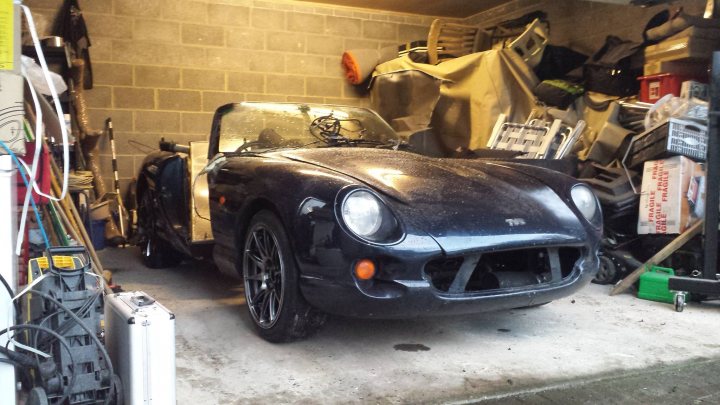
(690,44)
(692,89)
(697,32)
(683,48)
(682,67)
(672,195)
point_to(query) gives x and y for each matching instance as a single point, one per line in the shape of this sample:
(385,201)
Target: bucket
(100,211)
(97,233)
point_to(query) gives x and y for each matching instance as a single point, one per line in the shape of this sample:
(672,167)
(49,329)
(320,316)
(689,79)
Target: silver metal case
(140,338)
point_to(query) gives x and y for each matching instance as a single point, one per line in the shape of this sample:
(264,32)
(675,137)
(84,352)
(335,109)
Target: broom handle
(68,205)
(111,135)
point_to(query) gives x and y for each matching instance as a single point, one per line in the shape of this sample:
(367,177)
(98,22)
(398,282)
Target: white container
(140,338)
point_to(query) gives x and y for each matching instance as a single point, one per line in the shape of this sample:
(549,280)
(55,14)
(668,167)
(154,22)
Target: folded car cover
(405,99)
(473,90)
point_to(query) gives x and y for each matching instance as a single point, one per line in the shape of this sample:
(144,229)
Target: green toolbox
(654,284)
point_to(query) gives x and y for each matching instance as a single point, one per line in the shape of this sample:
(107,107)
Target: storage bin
(653,87)
(674,137)
(42,175)
(97,233)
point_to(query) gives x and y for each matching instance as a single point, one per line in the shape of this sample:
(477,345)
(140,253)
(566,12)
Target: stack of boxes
(673,189)
(682,57)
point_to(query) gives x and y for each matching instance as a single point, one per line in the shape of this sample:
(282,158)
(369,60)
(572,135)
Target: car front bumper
(398,298)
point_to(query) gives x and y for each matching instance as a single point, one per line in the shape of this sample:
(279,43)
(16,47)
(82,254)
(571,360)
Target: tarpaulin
(473,90)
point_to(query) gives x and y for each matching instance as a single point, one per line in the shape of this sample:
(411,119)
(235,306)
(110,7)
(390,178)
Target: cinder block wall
(161,67)
(583,25)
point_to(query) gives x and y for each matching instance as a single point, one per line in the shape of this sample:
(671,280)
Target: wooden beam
(663,254)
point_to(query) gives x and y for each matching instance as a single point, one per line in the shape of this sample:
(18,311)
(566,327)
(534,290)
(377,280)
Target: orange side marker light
(365,269)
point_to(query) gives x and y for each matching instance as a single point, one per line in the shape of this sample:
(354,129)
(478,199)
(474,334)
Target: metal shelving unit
(709,283)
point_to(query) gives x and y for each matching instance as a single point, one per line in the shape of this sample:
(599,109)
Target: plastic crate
(42,175)
(674,137)
(653,87)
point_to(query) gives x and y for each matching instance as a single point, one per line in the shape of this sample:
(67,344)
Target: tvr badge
(515,221)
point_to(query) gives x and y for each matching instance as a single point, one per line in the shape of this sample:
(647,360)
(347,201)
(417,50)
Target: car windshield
(261,126)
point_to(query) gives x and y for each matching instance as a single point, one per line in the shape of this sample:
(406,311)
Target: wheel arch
(245,216)
(141,187)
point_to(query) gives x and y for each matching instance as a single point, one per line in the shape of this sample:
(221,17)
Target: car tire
(608,272)
(272,291)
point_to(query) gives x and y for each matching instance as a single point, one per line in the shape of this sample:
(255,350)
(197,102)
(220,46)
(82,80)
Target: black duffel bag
(613,69)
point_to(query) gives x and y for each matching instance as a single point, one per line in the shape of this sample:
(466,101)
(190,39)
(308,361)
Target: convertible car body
(323,209)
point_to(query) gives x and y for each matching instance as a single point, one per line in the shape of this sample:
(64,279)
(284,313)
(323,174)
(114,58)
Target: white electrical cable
(56,100)
(10,313)
(38,131)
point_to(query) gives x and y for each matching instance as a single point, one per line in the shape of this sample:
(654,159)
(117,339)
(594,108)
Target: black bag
(611,70)
(558,61)
(70,25)
(558,93)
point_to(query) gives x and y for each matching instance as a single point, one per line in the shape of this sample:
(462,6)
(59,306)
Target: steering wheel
(250,144)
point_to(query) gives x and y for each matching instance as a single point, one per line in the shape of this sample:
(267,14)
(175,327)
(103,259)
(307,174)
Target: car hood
(463,204)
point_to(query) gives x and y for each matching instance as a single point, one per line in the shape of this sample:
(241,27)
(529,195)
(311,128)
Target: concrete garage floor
(587,348)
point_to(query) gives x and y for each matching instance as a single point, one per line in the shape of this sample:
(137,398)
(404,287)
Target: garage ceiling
(440,8)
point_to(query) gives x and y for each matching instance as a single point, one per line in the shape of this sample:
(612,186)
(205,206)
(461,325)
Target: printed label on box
(672,195)
(654,90)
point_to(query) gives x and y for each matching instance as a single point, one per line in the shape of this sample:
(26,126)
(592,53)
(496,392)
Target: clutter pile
(631,120)
(75,218)
(54,337)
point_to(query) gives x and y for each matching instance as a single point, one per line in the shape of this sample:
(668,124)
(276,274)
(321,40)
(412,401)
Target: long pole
(712,195)
(116,180)
(8,266)
(663,254)
(73,216)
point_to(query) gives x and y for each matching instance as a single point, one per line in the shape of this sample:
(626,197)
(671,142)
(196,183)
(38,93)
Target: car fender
(169,220)
(240,187)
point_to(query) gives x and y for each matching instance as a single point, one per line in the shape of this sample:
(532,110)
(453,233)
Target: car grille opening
(501,270)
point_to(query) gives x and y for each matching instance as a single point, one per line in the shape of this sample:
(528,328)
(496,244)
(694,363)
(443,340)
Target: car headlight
(367,217)
(585,201)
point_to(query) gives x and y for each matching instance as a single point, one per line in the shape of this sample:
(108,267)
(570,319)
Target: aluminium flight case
(140,338)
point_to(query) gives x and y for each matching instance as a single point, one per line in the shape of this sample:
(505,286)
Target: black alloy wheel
(272,291)
(263,276)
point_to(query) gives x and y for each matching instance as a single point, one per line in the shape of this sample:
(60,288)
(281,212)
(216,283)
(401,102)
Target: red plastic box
(653,87)
(42,176)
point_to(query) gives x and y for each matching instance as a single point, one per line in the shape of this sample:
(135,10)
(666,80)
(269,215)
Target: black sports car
(324,209)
